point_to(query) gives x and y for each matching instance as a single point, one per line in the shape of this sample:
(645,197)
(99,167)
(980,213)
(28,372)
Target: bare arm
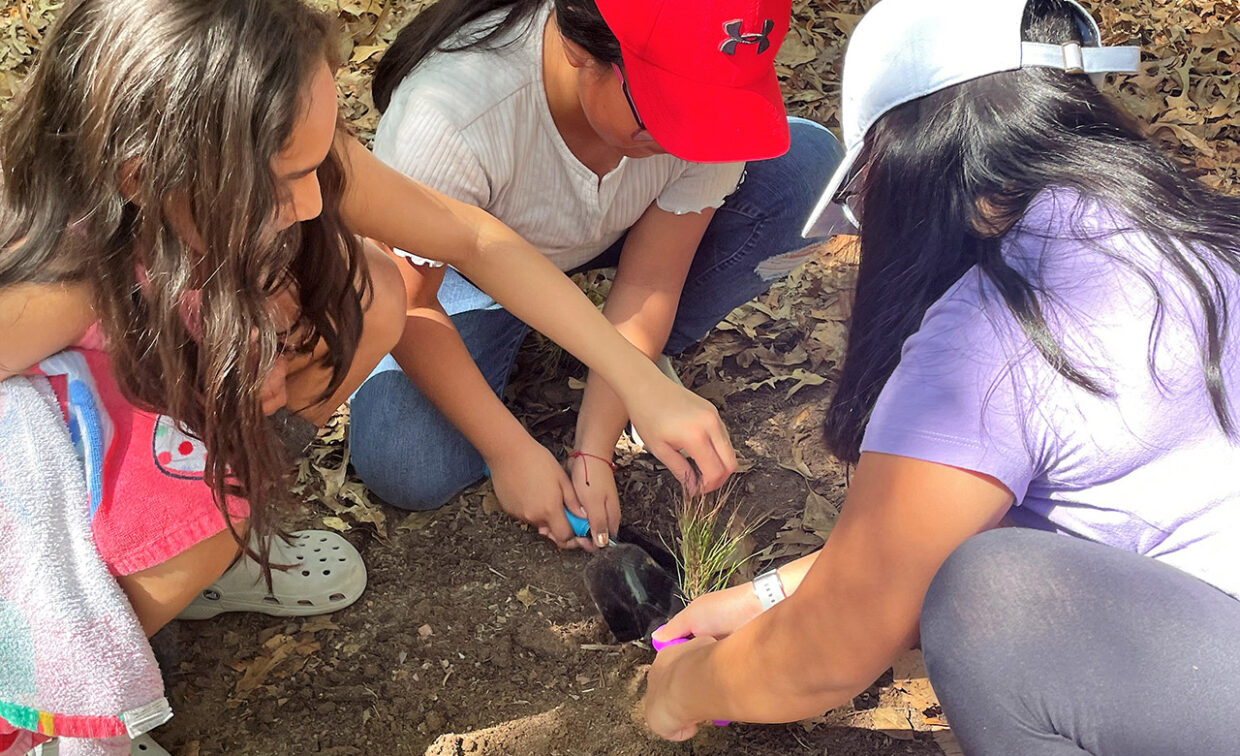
(433,355)
(642,305)
(39,320)
(847,621)
(386,205)
(529,482)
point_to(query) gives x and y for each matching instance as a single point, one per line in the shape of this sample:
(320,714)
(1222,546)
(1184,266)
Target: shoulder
(956,396)
(969,323)
(464,87)
(450,123)
(1067,240)
(38,320)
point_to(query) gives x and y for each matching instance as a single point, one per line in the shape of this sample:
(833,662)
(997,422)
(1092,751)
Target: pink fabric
(155,504)
(149,502)
(14,742)
(76,661)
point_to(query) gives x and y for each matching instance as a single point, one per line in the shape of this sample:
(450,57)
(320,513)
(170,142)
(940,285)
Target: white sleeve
(701,186)
(422,144)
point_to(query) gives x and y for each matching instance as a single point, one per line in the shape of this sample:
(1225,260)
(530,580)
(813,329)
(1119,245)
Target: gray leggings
(1044,644)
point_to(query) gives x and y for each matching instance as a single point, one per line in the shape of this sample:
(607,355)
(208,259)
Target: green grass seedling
(710,543)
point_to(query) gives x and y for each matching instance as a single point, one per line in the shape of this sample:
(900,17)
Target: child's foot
(326,574)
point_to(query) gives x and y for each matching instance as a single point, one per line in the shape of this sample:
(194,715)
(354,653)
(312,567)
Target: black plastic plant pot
(634,592)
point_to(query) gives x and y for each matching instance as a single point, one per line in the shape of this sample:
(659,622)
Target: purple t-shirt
(1147,469)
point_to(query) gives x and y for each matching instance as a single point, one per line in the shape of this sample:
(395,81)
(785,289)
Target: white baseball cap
(906,49)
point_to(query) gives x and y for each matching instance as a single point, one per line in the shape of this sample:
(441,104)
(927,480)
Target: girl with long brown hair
(181,207)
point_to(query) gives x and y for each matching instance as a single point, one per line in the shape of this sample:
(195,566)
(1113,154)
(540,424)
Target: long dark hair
(136,107)
(431,30)
(997,142)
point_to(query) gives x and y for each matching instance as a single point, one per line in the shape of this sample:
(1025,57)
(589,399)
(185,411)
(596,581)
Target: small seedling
(710,546)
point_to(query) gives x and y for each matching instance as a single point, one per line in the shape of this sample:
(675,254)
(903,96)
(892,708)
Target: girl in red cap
(608,134)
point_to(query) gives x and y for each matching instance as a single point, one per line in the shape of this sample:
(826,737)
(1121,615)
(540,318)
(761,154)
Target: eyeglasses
(624,85)
(849,197)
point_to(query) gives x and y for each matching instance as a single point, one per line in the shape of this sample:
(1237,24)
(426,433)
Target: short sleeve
(959,395)
(701,186)
(424,145)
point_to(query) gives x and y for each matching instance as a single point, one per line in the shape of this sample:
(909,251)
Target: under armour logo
(735,37)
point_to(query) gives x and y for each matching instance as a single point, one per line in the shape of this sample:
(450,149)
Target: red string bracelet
(604,460)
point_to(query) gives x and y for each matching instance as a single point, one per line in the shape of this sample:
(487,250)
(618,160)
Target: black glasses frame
(849,197)
(628,96)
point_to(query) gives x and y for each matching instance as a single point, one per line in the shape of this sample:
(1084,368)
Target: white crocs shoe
(327,574)
(664,363)
(145,745)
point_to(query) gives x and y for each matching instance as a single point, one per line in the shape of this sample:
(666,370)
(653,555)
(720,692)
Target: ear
(575,53)
(130,178)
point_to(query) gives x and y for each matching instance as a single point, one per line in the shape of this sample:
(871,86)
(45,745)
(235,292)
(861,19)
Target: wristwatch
(769,588)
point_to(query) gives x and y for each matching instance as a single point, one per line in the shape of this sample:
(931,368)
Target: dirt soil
(476,635)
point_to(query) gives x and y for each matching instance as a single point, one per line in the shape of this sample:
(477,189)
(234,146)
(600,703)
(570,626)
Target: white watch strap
(417,259)
(769,589)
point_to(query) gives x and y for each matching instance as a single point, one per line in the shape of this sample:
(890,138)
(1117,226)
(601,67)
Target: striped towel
(74,661)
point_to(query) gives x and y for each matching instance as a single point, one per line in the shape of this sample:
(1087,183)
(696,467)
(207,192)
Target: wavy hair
(136,116)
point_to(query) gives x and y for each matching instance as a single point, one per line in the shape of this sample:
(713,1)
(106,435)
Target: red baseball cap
(702,74)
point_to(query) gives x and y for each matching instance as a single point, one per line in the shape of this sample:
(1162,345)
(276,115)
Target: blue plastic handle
(581,526)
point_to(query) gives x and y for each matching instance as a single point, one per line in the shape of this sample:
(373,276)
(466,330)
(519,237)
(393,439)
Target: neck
(564,101)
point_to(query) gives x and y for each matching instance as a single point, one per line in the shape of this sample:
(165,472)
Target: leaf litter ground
(476,637)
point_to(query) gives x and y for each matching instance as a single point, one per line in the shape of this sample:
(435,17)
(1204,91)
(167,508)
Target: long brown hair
(136,111)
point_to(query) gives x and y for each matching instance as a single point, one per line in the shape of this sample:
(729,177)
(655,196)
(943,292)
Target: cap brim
(707,123)
(828,217)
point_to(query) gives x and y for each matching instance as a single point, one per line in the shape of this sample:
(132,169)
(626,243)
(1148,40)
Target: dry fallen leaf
(335,523)
(909,676)
(820,515)
(275,650)
(526,596)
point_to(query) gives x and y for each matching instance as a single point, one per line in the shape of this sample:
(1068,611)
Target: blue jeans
(1040,644)
(414,458)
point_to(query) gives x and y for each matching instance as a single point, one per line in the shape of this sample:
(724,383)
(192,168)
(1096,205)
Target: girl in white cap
(1043,338)
(608,134)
